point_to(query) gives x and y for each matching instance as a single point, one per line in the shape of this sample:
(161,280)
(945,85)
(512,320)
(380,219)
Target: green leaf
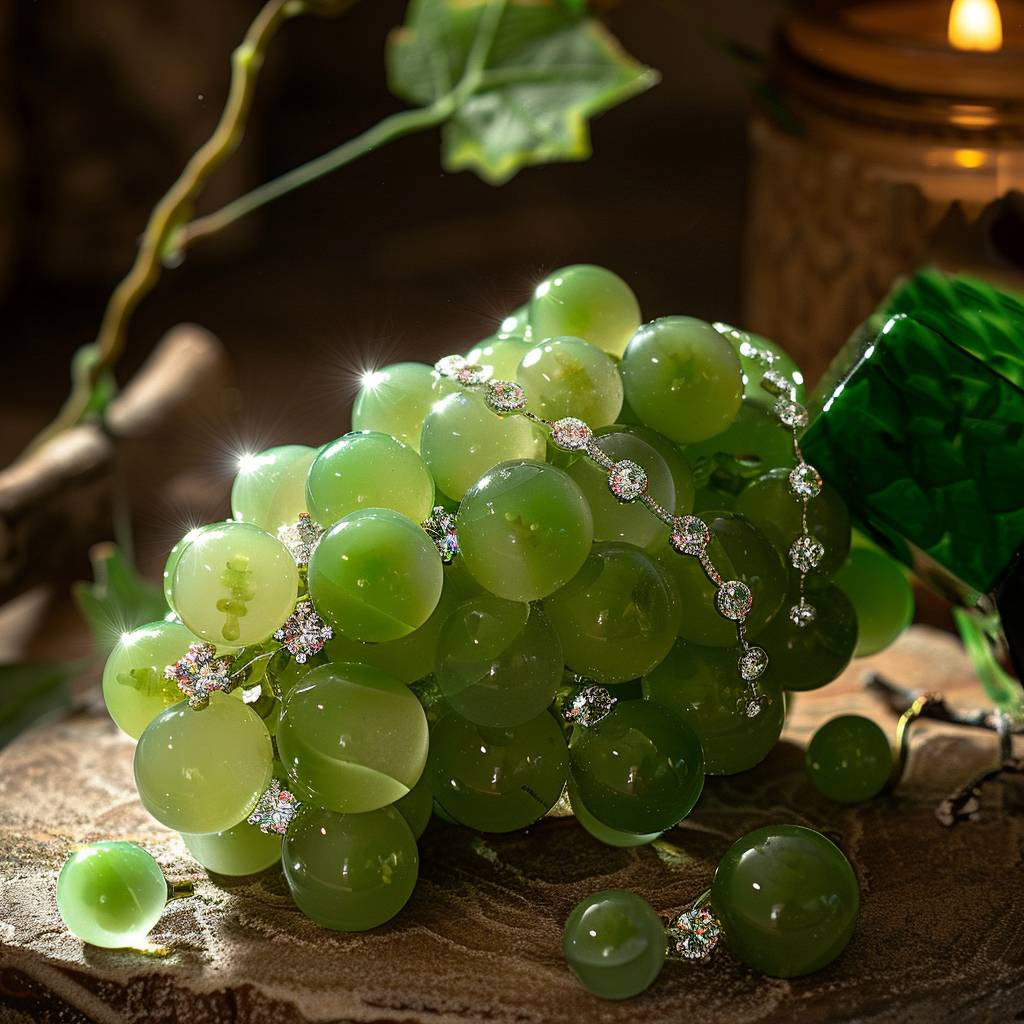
(102,390)
(523,77)
(32,691)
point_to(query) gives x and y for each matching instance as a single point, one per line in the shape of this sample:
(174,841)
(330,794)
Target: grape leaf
(32,691)
(521,77)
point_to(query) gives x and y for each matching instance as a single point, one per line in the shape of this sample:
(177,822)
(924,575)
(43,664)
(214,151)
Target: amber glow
(969,158)
(975,25)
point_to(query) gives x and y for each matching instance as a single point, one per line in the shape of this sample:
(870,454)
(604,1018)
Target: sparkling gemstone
(694,934)
(802,614)
(806,553)
(753,707)
(734,600)
(805,481)
(301,538)
(470,374)
(626,480)
(776,383)
(791,413)
(440,527)
(505,396)
(690,535)
(304,632)
(275,809)
(588,706)
(449,366)
(199,673)
(571,434)
(752,663)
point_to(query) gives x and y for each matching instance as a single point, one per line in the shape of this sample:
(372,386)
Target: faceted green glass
(502,353)
(241,850)
(615,944)
(395,400)
(601,832)
(878,588)
(849,759)
(350,872)
(270,488)
(351,738)
(787,899)
(203,771)
(417,805)
(375,576)
(111,894)
(618,616)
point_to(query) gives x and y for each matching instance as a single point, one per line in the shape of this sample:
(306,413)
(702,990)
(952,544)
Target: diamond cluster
(694,934)
(199,672)
(304,632)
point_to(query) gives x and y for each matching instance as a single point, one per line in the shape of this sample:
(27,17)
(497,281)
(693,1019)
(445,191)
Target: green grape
(395,401)
(615,944)
(174,557)
(111,894)
(270,488)
(682,378)
(787,899)
(807,657)
(375,576)
(571,377)
(351,738)
(678,467)
(241,850)
(350,872)
(462,439)
(234,584)
(747,346)
(587,302)
(203,771)
(711,499)
(618,616)
(601,832)
(368,470)
(879,590)
(753,444)
(497,780)
(625,521)
(417,805)
(849,759)
(135,689)
(739,551)
(525,528)
(640,769)
(517,323)
(771,505)
(502,353)
(702,685)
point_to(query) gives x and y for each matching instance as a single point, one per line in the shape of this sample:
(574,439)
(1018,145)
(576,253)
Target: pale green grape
(502,353)
(517,323)
(682,378)
(368,470)
(749,348)
(174,557)
(462,439)
(395,401)
(270,488)
(600,831)
(241,850)
(375,576)
(571,377)
(203,771)
(882,596)
(682,474)
(417,805)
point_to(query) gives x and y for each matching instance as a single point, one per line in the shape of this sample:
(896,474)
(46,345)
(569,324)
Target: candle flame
(975,25)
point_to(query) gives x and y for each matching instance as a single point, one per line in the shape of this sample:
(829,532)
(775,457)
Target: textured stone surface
(939,936)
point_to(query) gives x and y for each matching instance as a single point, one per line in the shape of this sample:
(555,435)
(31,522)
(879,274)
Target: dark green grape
(749,347)
(601,832)
(849,759)
(703,686)
(417,805)
(640,769)
(879,590)
(787,899)
(618,616)
(570,377)
(754,443)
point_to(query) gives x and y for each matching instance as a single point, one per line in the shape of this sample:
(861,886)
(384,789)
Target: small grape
(517,323)
(570,377)
(395,400)
(600,831)
(241,850)
(747,346)
(502,353)
(879,590)
(849,759)
(270,488)
(754,443)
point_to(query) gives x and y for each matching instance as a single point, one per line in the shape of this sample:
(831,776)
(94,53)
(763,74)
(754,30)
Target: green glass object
(111,894)
(568,376)
(601,832)
(787,899)
(270,488)
(351,738)
(375,576)
(615,944)
(586,302)
(135,689)
(758,354)
(368,469)
(497,780)
(502,353)
(618,616)
(525,529)
(682,378)
(703,687)
(849,759)
(679,468)
(241,850)
(350,872)
(417,805)
(203,771)
(234,584)
(395,400)
(640,769)
(878,588)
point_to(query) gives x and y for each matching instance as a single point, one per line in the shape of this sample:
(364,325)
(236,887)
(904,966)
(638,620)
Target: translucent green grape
(417,805)
(571,377)
(615,944)
(497,780)
(879,590)
(350,872)
(135,689)
(364,470)
(754,443)
(587,302)
(395,400)
(640,769)
(462,439)
(682,378)
(172,562)
(517,323)
(375,576)
(203,771)
(111,894)
(703,686)
(600,831)
(499,662)
(618,616)
(739,551)
(351,738)
(747,346)
(241,850)
(270,488)
(679,468)
(502,353)
(235,584)
(525,528)
(849,759)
